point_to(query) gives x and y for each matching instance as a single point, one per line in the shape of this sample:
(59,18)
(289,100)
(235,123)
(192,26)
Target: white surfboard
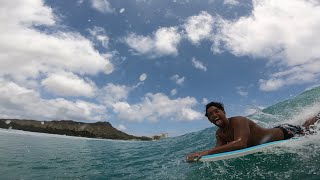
(241,152)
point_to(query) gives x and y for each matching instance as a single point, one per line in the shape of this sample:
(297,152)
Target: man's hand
(195,156)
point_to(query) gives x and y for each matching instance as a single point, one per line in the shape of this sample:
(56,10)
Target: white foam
(304,113)
(306,147)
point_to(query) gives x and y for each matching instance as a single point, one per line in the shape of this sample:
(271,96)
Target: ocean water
(27,155)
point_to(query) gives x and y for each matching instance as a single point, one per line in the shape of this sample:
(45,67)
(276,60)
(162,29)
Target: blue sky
(150,66)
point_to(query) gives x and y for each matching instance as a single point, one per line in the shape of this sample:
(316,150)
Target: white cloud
(199,27)
(198,64)
(112,93)
(164,42)
(25,52)
(141,44)
(28,12)
(102,6)
(62,58)
(99,35)
(20,102)
(173,92)
(241,91)
(285,32)
(68,84)
(157,106)
(205,101)
(122,127)
(143,77)
(231,2)
(79,2)
(271,84)
(307,72)
(179,80)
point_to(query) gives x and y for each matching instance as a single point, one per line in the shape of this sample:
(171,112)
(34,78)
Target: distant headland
(102,130)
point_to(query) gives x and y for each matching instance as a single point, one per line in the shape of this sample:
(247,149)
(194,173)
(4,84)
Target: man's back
(255,134)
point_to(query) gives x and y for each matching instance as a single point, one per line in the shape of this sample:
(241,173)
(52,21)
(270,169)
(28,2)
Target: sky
(151,66)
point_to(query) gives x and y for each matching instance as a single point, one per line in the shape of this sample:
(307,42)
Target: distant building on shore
(160,136)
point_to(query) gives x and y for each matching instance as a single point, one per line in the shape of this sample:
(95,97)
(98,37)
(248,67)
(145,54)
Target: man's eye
(215,111)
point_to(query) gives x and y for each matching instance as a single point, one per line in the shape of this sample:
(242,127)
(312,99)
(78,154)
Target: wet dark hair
(218,105)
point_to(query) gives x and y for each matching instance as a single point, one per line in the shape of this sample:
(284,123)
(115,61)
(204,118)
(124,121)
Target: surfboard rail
(240,152)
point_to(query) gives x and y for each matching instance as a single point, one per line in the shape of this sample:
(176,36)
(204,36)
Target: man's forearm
(234,145)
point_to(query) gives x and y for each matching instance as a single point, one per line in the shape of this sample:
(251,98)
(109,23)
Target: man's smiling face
(216,116)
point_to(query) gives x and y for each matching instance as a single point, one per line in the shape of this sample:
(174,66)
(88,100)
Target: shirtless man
(239,132)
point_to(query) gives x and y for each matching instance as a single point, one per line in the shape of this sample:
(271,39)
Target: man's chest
(227,136)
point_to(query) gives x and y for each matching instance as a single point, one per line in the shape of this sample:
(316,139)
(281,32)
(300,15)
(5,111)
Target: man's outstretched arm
(241,132)
(311,121)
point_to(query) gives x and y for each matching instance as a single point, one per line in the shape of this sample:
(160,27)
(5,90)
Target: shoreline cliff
(101,130)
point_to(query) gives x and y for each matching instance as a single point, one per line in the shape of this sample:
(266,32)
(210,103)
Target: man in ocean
(240,132)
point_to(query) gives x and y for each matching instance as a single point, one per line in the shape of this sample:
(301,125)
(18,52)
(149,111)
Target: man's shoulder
(239,119)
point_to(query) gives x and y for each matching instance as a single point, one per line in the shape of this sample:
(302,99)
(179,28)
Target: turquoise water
(26,155)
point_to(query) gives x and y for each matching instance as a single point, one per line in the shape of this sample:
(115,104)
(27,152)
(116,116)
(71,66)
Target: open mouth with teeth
(217,121)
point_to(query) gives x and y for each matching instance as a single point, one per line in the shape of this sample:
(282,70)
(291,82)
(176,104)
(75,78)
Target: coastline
(98,130)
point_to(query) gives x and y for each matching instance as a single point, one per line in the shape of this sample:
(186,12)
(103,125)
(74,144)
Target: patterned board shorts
(290,131)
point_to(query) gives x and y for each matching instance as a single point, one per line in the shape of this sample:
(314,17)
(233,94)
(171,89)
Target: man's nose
(213,116)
